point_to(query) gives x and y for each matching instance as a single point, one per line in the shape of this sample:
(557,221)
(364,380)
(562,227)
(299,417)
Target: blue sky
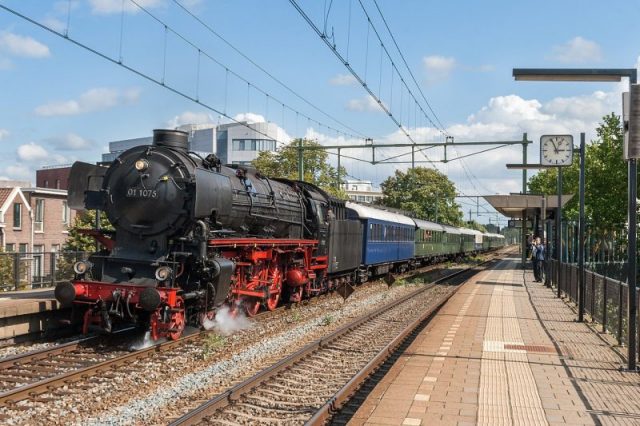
(61,103)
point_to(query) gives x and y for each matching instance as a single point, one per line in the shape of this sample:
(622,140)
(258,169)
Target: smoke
(229,321)
(145,342)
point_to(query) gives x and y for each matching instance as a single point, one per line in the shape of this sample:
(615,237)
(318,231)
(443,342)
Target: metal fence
(23,271)
(605,297)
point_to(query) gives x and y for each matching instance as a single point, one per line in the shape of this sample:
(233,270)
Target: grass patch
(326,320)
(296,316)
(212,343)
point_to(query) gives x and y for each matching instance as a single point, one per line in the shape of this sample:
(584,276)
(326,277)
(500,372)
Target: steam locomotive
(191,234)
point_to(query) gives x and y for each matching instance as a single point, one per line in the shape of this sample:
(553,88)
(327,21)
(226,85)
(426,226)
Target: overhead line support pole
(300,160)
(524,161)
(339,182)
(581,227)
(559,230)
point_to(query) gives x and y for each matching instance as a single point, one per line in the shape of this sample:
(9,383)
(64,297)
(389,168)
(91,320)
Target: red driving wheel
(274,289)
(177,323)
(251,305)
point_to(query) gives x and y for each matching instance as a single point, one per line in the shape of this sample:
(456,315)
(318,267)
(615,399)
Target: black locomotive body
(190,234)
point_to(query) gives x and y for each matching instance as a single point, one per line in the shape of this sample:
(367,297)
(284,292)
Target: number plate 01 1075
(142,193)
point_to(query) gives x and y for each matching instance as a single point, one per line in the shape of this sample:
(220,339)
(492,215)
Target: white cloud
(71,142)
(17,45)
(343,80)
(106,7)
(54,23)
(3,133)
(19,171)
(368,103)
(32,152)
(190,117)
(438,68)
(92,100)
(249,117)
(577,50)
(502,118)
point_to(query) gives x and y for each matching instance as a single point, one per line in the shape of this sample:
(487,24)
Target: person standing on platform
(532,254)
(539,262)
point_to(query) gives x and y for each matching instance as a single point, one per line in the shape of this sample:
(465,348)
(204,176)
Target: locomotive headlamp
(81,267)
(163,273)
(141,165)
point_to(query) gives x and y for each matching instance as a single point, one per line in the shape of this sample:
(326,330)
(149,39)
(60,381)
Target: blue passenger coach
(387,237)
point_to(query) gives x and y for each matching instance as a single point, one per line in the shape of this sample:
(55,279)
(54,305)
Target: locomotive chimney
(174,139)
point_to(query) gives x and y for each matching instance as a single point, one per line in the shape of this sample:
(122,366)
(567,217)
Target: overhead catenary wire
(370,22)
(351,69)
(265,71)
(435,116)
(139,73)
(238,76)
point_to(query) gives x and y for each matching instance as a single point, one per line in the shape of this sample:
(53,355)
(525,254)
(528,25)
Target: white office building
(232,143)
(362,191)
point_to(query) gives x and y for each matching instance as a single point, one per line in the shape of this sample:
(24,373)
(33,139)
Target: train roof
(366,212)
(431,226)
(470,231)
(451,230)
(494,235)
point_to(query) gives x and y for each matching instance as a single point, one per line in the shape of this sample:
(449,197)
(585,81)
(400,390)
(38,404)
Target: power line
(238,76)
(393,65)
(277,80)
(139,73)
(338,55)
(441,128)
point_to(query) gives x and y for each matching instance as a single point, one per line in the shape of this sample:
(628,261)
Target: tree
(472,224)
(86,219)
(283,163)
(427,193)
(605,179)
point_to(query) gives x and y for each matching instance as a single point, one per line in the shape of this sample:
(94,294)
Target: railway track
(45,375)
(29,375)
(309,385)
(32,374)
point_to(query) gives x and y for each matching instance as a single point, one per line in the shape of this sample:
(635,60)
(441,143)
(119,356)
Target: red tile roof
(4,194)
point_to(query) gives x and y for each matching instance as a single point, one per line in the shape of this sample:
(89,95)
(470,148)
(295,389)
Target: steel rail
(32,390)
(236,392)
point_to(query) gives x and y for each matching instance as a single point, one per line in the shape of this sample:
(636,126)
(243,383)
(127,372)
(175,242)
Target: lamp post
(595,75)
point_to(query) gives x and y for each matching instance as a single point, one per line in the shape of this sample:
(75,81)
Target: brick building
(15,220)
(56,177)
(34,222)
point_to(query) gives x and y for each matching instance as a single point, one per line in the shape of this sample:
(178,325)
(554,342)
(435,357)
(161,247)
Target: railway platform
(27,311)
(504,350)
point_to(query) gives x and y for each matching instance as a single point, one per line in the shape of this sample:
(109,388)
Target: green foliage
(283,163)
(295,316)
(427,193)
(85,220)
(475,225)
(7,278)
(605,178)
(327,320)
(6,270)
(212,343)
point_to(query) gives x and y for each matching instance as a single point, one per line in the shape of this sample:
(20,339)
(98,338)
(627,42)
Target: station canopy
(515,205)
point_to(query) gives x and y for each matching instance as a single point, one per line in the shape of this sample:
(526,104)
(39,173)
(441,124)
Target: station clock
(556,150)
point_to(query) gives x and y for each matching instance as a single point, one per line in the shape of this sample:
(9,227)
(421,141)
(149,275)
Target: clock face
(556,150)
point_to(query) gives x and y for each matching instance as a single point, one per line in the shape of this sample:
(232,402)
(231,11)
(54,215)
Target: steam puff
(226,322)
